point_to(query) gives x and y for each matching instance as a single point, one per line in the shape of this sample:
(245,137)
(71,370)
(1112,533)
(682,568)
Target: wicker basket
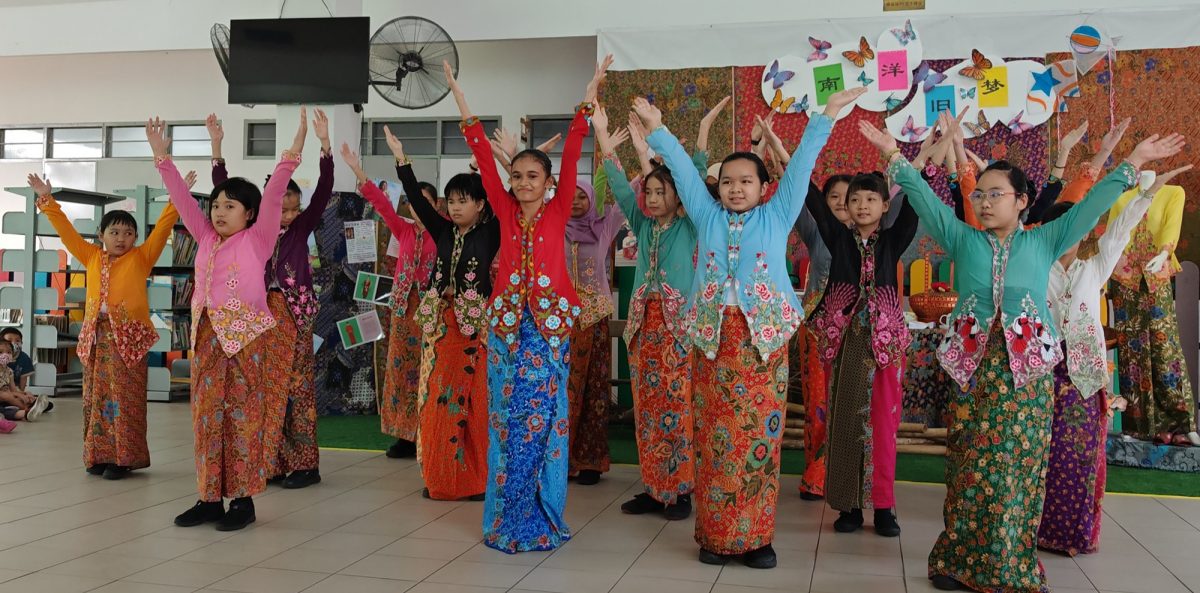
(930,306)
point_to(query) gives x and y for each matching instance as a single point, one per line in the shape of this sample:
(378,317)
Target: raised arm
(1045,198)
(787,201)
(611,173)
(821,217)
(504,147)
(638,134)
(265,231)
(692,190)
(374,195)
(216,134)
(81,248)
(156,240)
(434,222)
(706,124)
(193,217)
(308,220)
(904,228)
(498,196)
(1112,243)
(941,223)
(1073,226)
(573,147)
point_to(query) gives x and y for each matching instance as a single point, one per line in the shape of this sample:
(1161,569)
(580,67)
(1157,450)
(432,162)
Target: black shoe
(682,509)
(848,522)
(239,515)
(477,497)
(49,406)
(401,449)
(302,478)
(588,477)
(942,582)
(707,557)
(425,493)
(642,504)
(115,472)
(97,469)
(276,480)
(763,557)
(810,496)
(885,523)
(202,512)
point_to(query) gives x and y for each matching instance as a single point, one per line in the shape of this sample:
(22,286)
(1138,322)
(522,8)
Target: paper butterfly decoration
(912,131)
(1017,126)
(978,67)
(778,77)
(930,77)
(980,126)
(906,34)
(966,93)
(892,102)
(862,77)
(819,49)
(859,58)
(784,105)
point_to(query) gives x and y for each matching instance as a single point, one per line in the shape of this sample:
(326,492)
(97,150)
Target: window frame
(247,139)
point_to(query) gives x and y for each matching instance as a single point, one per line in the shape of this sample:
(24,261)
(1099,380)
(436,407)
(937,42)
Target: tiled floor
(367,529)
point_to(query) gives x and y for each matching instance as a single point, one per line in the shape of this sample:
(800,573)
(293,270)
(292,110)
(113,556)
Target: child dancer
(230,316)
(453,417)
(741,318)
(1075,471)
(660,352)
(116,334)
(995,471)
(861,336)
(532,318)
(589,238)
(293,304)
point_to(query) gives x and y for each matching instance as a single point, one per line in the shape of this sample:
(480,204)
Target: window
(22,144)
(426,138)
(260,139)
(128,141)
(544,128)
(190,140)
(76,143)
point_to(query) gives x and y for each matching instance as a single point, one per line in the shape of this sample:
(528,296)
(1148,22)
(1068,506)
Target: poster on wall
(360,329)
(360,241)
(372,288)
(896,5)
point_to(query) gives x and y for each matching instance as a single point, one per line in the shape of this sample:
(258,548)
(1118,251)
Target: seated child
(15,403)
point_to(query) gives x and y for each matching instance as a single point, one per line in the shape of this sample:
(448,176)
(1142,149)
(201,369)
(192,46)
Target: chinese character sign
(828,80)
(993,88)
(937,100)
(893,70)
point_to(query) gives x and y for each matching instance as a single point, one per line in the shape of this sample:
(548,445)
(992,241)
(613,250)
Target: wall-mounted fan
(406,62)
(219,34)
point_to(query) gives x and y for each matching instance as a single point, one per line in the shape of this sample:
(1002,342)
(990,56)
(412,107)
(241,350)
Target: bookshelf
(49,339)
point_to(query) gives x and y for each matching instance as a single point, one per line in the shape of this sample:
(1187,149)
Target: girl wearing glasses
(1000,429)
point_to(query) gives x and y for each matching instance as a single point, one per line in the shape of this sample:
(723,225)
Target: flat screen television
(291,61)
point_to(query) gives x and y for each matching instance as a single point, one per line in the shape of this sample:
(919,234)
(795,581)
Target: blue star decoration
(1045,81)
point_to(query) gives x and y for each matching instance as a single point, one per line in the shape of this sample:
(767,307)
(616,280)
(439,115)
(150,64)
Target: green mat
(362,432)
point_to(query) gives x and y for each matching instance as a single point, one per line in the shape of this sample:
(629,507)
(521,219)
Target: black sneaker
(239,515)
(97,469)
(642,504)
(848,522)
(276,480)
(763,557)
(682,509)
(402,449)
(425,494)
(202,512)
(707,557)
(942,582)
(885,523)
(302,478)
(810,496)
(115,472)
(477,497)
(588,477)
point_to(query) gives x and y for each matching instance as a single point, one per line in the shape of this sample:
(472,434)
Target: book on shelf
(183,285)
(185,248)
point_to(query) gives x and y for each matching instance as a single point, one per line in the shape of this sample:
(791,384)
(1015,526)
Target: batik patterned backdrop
(1159,89)
(684,96)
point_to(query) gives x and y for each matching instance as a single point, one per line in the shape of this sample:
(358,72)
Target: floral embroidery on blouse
(771,317)
(594,305)
(1086,362)
(1032,351)
(1131,268)
(133,338)
(469,304)
(704,319)
(301,302)
(655,283)
(550,310)
(234,322)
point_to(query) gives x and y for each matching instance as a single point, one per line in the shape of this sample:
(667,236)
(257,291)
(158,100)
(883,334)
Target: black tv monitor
(292,61)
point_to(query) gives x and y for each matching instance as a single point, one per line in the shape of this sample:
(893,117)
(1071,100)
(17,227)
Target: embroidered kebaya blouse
(116,286)
(1158,231)
(665,263)
(1075,292)
(532,270)
(229,271)
(1005,278)
(744,253)
(587,264)
(289,267)
(417,249)
(863,276)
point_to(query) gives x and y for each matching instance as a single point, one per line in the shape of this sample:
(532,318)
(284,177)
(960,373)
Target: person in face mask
(15,404)
(21,365)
